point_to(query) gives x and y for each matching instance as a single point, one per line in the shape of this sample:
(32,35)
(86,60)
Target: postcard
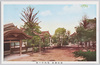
(49,32)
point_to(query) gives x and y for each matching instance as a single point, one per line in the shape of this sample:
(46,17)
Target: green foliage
(81,33)
(30,26)
(85,32)
(74,38)
(54,39)
(43,45)
(36,49)
(93,34)
(84,5)
(65,41)
(46,40)
(61,36)
(37,40)
(60,31)
(89,55)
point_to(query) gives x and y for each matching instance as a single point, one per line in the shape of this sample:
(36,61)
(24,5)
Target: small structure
(12,35)
(47,32)
(42,35)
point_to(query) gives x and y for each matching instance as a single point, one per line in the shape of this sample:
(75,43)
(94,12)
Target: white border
(49,2)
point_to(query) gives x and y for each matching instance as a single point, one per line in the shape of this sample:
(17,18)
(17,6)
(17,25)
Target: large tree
(59,35)
(31,26)
(84,22)
(86,31)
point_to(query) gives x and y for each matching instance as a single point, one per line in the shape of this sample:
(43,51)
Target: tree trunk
(86,45)
(33,50)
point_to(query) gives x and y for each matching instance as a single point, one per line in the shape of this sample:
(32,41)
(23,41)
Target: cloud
(73,9)
(46,13)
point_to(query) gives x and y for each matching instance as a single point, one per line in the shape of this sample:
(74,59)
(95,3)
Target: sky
(51,16)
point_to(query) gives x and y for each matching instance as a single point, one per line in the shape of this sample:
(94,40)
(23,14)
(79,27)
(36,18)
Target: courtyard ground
(56,54)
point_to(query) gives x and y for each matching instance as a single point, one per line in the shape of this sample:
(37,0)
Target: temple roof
(73,34)
(11,32)
(43,32)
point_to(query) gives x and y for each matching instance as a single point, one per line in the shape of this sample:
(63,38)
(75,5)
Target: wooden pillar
(10,46)
(14,44)
(20,43)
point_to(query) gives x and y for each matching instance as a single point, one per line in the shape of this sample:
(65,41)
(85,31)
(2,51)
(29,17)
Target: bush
(65,42)
(36,49)
(89,55)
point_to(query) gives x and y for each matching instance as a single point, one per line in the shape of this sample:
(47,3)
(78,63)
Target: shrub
(89,55)
(36,49)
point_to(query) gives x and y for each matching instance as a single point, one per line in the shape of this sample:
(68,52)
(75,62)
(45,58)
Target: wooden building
(12,35)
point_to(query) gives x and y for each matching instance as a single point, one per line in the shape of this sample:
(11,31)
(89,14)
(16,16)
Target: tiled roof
(43,32)
(11,29)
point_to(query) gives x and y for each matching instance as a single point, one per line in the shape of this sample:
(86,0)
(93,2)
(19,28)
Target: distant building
(73,34)
(91,23)
(46,32)
(42,35)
